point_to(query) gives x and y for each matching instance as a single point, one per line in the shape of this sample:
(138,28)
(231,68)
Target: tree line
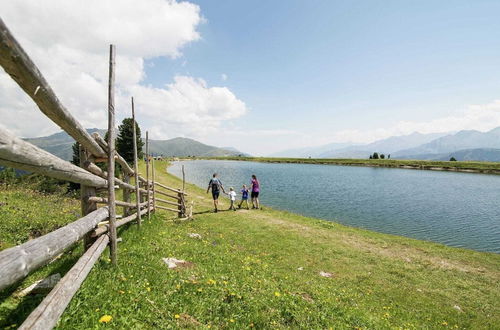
(381,156)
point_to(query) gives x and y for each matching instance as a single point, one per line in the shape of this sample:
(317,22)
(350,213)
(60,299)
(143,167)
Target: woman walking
(255,190)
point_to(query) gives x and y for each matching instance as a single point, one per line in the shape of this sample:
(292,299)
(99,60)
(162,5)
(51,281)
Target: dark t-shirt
(215,184)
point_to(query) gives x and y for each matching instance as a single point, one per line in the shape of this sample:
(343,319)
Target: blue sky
(330,66)
(263,76)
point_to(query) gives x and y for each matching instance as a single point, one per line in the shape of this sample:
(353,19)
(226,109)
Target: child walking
(232,198)
(244,197)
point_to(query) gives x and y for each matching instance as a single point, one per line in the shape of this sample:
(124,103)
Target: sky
(263,76)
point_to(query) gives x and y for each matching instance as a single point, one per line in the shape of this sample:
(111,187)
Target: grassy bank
(468,166)
(261,269)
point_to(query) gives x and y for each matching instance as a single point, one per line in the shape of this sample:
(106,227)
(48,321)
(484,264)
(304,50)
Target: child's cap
(231,188)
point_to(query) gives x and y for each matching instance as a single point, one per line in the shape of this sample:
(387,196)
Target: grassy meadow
(261,269)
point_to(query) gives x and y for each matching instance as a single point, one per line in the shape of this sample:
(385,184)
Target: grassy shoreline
(458,166)
(246,273)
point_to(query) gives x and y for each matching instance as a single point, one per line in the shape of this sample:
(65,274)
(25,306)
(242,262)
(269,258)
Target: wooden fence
(97,227)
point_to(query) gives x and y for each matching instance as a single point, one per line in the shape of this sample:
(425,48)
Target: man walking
(216,186)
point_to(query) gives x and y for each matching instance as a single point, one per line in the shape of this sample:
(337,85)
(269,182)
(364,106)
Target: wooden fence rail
(97,226)
(20,67)
(17,262)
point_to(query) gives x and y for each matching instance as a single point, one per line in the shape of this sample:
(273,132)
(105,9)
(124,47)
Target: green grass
(483,167)
(26,213)
(245,274)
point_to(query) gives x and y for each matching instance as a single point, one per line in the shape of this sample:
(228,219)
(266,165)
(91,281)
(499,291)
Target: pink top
(255,185)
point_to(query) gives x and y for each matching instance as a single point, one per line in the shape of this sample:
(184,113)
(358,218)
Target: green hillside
(183,147)
(60,144)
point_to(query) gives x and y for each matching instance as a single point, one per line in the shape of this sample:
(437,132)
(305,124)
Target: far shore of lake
(450,166)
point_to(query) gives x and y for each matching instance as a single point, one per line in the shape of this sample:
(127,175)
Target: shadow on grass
(25,305)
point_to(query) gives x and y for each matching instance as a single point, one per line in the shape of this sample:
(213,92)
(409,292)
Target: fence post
(136,169)
(126,195)
(183,179)
(85,193)
(111,155)
(147,175)
(153,183)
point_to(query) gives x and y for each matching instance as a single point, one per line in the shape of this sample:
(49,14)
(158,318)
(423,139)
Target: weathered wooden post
(179,207)
(147,176)
(136,168)
(111,155)
(85,193)
(153,183)
(126,194)
(183,179)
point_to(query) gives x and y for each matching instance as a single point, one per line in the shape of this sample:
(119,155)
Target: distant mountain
(183,147)
(313,152)
(384,146)
(60,144)
(480,154)
(462,140)
(349,150)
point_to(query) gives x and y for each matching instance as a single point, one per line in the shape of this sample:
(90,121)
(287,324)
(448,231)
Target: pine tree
(125,140)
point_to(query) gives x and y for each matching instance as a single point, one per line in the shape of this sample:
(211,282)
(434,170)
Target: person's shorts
(255,194)
(215,195)
(244,198)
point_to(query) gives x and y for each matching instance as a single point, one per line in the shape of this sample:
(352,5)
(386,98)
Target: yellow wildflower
(277,294)
(177,316)
(105,319)
(231,320)
(148,289)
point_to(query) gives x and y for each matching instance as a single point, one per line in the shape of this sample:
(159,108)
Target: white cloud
(223,77)
(187,107)
(69,42)
(481,117)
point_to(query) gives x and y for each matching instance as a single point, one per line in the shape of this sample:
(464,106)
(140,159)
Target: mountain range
(60,144)
(462,145)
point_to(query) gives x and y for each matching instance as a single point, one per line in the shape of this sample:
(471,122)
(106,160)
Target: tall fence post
(153,183)
(85,193)
(183,179)
(126,194)
(147,176)
(179,207)
(136,168)
(111,155)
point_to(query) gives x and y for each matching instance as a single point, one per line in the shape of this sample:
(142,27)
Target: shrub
(8,176)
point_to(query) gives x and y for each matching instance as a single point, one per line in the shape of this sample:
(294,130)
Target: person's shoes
(239,206)
(215,211)
(234,210)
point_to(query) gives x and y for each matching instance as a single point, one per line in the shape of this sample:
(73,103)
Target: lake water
(456,209)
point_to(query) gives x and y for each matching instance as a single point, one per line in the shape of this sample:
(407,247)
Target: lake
(456,209)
